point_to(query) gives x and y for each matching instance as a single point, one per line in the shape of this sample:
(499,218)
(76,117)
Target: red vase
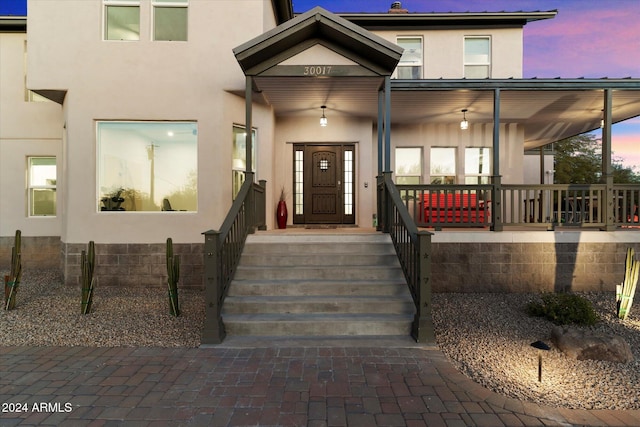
(281,214)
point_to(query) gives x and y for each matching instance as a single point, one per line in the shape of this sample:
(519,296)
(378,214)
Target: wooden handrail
(222,251)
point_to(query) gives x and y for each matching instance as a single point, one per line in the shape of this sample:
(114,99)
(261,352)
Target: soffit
(548,110)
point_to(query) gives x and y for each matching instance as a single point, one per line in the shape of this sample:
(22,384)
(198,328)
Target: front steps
(318,285)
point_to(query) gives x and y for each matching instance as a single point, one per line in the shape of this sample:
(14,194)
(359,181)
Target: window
(121,19)
(408,165)
(477,165)
(239,165)
(410,65)
(147,166)
(42,186)
(477,57)
(170,19)
(443,165)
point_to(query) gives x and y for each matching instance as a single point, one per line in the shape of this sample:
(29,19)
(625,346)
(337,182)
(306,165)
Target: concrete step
(317,304)
(317,325)
(388,288)
(327,272)
(302,258)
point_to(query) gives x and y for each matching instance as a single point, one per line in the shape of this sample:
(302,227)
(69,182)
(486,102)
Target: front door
(324,184)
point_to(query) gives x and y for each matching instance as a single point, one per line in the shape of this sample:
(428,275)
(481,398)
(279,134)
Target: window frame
(237,172)
(486,64)
(480,177)
(452,177)
(31,187)
(421,66)
(119,3)
(107,187)
(165,4)
(397,171)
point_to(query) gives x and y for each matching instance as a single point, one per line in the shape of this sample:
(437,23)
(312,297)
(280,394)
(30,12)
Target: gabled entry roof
(318,26)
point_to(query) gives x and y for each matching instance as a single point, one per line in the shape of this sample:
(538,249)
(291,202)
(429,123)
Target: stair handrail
(222,251)
(413,248)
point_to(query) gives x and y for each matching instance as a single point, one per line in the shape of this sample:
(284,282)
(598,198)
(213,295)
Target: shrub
(563,309)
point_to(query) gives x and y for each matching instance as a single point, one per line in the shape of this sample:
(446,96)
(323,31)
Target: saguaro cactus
(173,275)
(87,264)
(626,290)
(12,281)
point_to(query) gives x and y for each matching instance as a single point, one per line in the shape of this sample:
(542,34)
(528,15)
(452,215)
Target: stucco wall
(26,129)
(444,51)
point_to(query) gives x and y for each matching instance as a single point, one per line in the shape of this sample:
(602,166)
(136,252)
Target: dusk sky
(588,38)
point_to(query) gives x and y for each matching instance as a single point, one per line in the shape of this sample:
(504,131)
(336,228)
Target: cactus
(627,289)
(12,281)
(173,274)
(87,264)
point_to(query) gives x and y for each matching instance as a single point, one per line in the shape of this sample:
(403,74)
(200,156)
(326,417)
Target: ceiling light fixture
(464,124)
(323,119)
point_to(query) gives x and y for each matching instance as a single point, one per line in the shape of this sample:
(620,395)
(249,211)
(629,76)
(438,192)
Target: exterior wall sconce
(323,119)
(602,120)
(464,124)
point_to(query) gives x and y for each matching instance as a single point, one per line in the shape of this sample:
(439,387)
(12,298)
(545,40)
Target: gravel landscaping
(486,336)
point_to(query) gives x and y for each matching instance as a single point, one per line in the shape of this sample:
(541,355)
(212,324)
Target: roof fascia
(13,24)
(446,20)
(517,84)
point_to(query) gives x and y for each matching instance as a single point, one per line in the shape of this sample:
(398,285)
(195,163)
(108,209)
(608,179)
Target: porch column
(380,193)
(248,174)
(496,179)
(380,130)
(607,169)
(387,124)
(248,99)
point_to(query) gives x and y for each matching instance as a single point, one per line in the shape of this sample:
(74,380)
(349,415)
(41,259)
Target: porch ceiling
(549,110)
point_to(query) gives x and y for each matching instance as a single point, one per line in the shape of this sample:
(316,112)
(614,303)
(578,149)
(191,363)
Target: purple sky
(588,38)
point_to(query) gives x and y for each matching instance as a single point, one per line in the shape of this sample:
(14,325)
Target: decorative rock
(581,345)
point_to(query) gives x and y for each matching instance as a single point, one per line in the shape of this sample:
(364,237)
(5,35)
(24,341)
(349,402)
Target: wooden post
(422,328)
(213,331)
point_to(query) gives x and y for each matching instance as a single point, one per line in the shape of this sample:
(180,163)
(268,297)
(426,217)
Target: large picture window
(410,65)
(477,57)
(42,186)
(147,166)
(443,165)
(121,19)
(408,165)
(170,19)
(239,162)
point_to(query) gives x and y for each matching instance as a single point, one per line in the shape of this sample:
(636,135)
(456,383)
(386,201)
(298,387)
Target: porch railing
(413,248)
(550,206)
(222,250)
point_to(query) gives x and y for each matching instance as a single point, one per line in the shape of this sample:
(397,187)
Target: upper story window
(42,186)
(170,20)
(121,19)
(410,65)
(477,57)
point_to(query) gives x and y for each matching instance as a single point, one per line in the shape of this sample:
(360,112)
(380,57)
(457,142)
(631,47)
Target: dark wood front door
(324,184)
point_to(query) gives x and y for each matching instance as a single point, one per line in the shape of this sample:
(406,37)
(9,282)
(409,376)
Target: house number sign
(317,70)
